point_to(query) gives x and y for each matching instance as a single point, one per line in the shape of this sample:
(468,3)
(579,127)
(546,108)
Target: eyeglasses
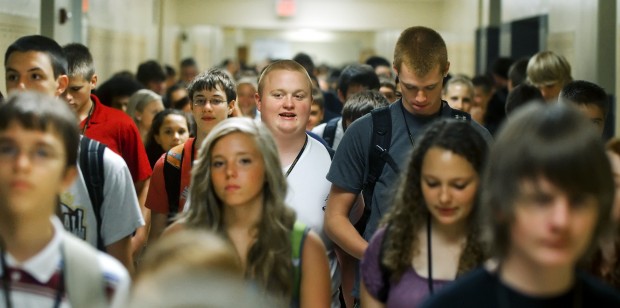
(201,102)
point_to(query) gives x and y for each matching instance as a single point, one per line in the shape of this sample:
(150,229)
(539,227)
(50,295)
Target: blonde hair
(547,66)
(139,100)
(283,65)
(269,258)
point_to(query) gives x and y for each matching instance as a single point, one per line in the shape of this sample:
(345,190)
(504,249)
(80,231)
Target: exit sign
(285,8)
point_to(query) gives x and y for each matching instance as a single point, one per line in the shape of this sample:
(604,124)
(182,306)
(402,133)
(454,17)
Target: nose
(421,97)
(231,170)
(560,213)
(288,102)
(444,195)
(22,162)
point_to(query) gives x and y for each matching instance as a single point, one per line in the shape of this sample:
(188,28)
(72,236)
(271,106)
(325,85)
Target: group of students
(416,191)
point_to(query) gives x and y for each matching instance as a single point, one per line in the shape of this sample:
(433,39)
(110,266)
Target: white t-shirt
(34,282)
(307,194)
(320,130)
(120,210)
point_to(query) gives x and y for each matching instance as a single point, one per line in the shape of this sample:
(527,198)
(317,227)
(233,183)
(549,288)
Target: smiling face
(421,95)
(449,185)
(551,228)
(32,70)
(26,157)
(210,107)
(285,102)
(237,171)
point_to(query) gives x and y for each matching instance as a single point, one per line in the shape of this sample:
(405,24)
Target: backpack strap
(298,237)
(91,165)
(378,155)
(85,282)
(174,165)
(329,133)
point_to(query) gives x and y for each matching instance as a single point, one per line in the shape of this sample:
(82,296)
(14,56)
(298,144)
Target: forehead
(19,60)
(458,87)
(590,110)
(18,132)
(280,78)
(216,90)
(234,142)
(409,77)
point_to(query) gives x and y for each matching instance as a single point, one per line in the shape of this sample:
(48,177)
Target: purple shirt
(410,291)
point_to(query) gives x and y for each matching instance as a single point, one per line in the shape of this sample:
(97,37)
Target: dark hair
(170,71)
(362,103)
(41,44)
(306,61)
(521,95)
(153,149)
(188,62)
(36,111)
(115,87)
(585,93)
(517,74)
(80,61)
(551,141)
(209,80)
(375,61)
(483,81)
(387,82)
(150,71)
(501,66)
(409,211)
(358,74)
(179,104)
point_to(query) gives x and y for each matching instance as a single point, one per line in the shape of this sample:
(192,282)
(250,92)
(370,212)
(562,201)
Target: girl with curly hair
(430,235)
(238,191)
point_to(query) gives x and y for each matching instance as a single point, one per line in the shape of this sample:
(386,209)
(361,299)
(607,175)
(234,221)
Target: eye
(182,131)
(8,150)
(430,88)
(460,186)
(276,95)
(245,161)
(217,163)
(75,89)
(432,184)
(11,77)
(168,132)
(43,153)
(217,102)
(300,96)
(36,76)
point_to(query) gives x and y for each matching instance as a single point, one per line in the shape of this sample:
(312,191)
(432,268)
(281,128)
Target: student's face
(120,103)
(148,114)
(78,93)
(177,95)
(207,115)
(158,87)
(32,70)
(237,170)
(172,132)
(32,171)
(595,114)
(550,90)
(458,97)
(449,186)
(285,103)
(246,99)
(421,94)
(388,93)
(551,228)
(316,116)
(615,167)
(481,98)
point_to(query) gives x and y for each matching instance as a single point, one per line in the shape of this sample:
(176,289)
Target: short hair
(41,44)
(421,49)
(318,98)
(358,74)
(170,71)
(286,65)
(175,104)
(484,82)
(117,86)
(80,61)
(375,61)
(583,92)
(188,62)
(362,103)
(306,61)
(139,100)
(517,74)
(521,95)
(387,82)
(40,112)
(501,66)
(547,66)
(462,80)
(210,80)
(552,141)
(150,71)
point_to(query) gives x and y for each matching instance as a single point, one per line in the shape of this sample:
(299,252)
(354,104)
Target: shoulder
(318,150)
(113,161)
(469,290)
(597,292)
(319,129)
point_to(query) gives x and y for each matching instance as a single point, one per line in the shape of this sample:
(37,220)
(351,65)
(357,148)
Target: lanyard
(296,158)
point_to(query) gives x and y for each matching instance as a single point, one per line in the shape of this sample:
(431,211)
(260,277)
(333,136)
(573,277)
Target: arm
(159,222)
(367,300)
(121,250)
(139,239)
(337,224)
(315,281)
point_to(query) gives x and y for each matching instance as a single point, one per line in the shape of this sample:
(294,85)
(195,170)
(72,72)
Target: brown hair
(421,49)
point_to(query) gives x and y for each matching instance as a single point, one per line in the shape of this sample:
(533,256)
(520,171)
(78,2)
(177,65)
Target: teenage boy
(42,264)
(284,98)
(212,95)
(109,126)
(590,98)
(549,72)
(547,194)
(38,63)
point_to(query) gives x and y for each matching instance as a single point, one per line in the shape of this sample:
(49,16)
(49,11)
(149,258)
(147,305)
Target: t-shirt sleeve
(157,198)
(348,167)
(134,153)
(369,266)
(120,210)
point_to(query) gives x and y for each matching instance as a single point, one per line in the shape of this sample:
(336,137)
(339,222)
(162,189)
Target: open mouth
(288,115)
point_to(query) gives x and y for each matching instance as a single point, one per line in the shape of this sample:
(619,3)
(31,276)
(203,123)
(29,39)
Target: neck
(289,147)
(244,216)
(449,233)
(534,279)
(85,111)
(24,239)
(200,137)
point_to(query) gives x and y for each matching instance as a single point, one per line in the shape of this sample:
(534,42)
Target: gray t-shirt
(349,167)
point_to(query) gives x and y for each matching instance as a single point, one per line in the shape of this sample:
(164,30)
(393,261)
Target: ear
(63,83)
(231,108)
(259,103)
(137,115)
(93,81)
(445,74)
(68,178)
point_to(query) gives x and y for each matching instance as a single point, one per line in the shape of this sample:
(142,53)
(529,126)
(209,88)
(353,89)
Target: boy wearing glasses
(212,96)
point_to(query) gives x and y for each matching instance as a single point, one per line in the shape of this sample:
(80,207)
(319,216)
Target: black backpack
(91,165)
(329,133)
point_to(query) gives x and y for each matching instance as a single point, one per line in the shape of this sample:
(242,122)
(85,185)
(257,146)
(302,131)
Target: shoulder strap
(85,282)
(379,147)
(91,165)
(329,133)
(382,294)
(172,178)
(298,237)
